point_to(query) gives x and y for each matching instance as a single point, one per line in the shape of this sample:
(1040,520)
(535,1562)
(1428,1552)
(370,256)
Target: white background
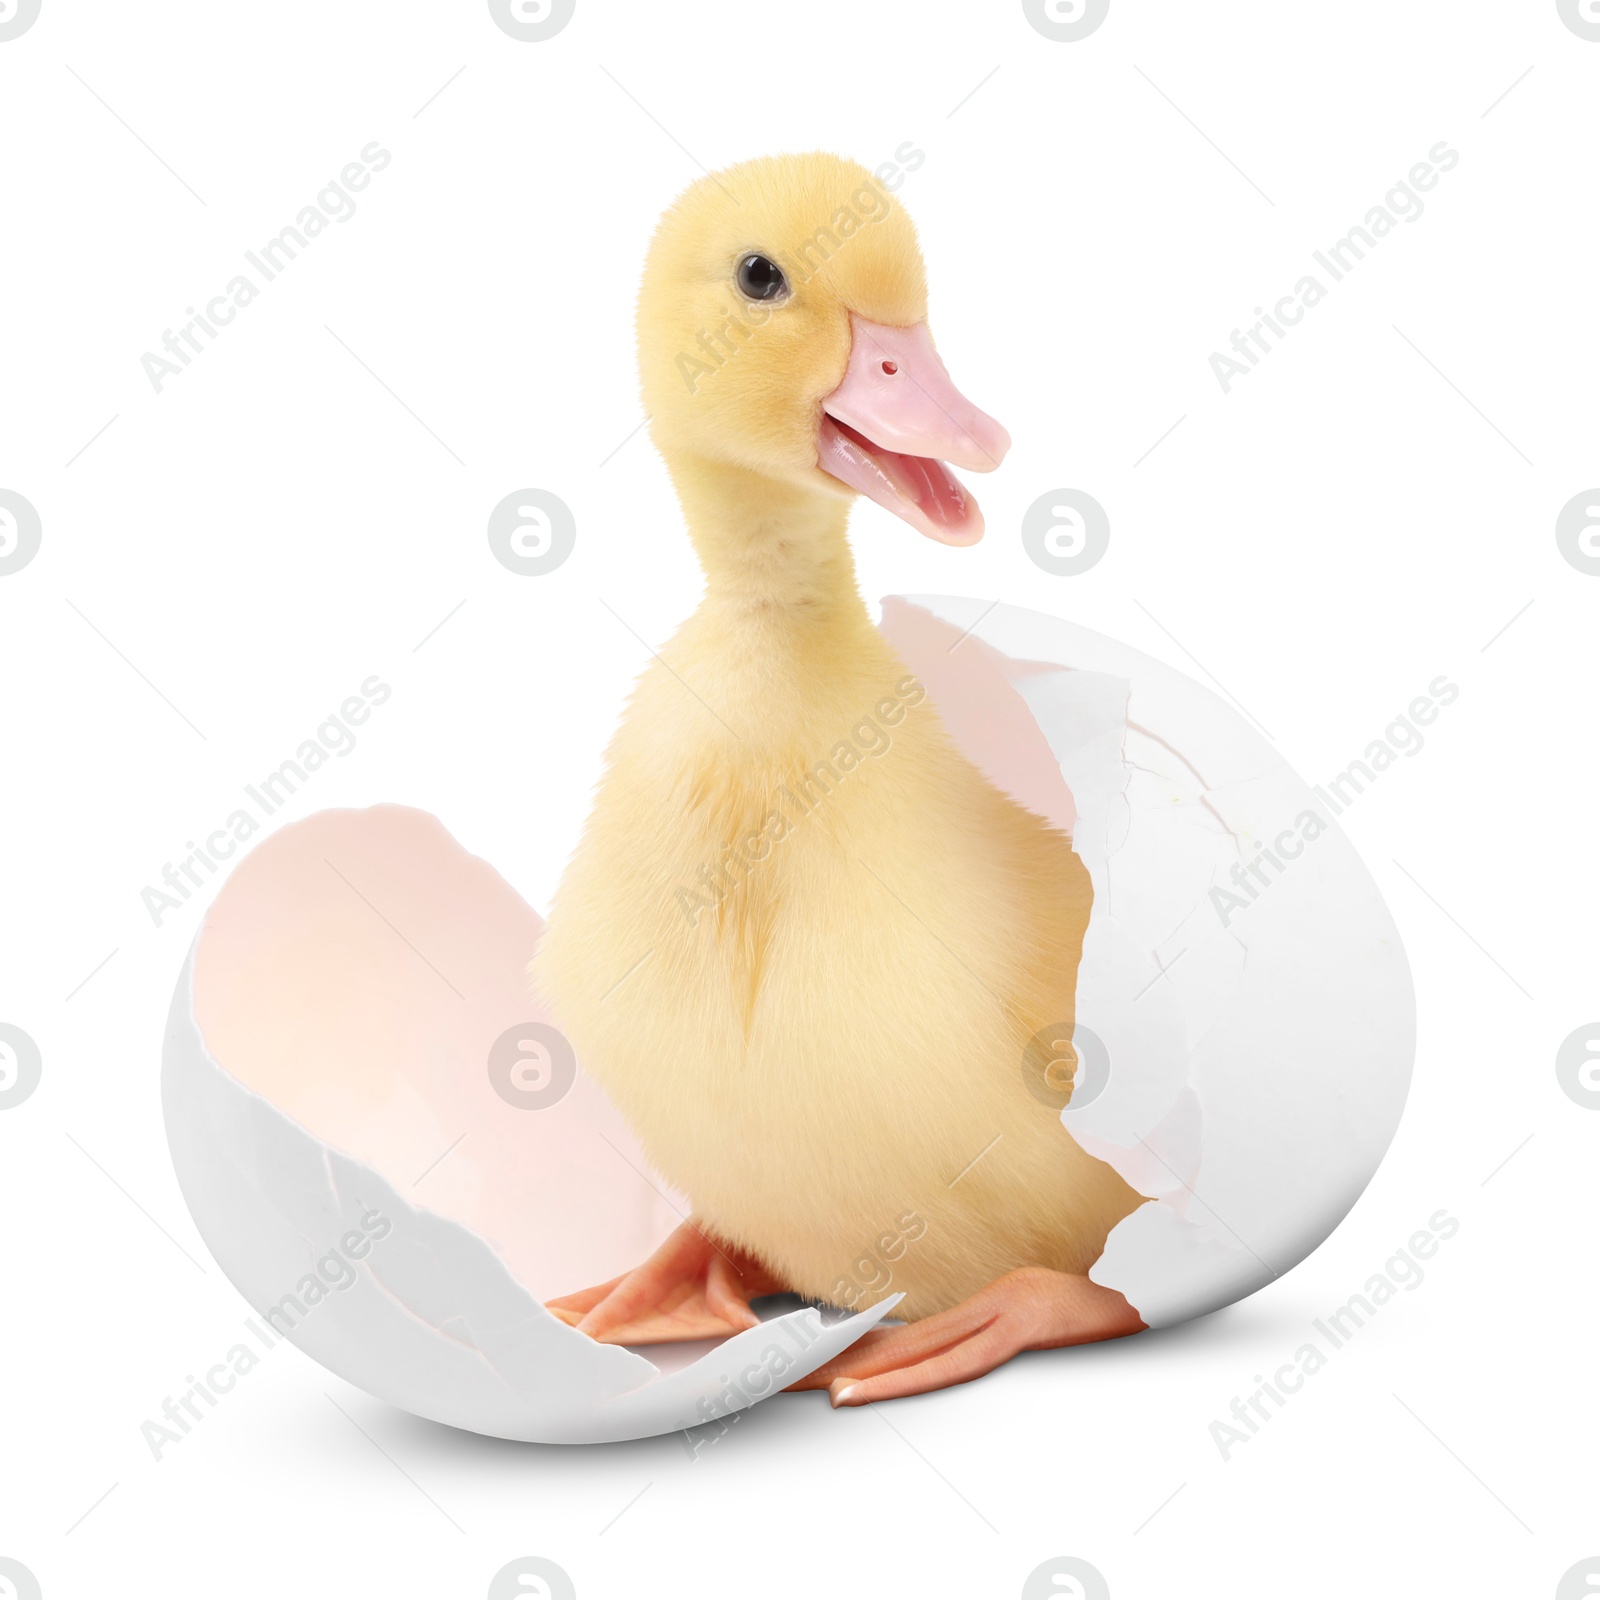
(227,560)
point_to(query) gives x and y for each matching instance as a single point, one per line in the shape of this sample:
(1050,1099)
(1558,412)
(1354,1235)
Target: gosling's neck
(774,554)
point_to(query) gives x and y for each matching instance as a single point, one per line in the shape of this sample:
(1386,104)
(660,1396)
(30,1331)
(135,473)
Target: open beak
(894,423)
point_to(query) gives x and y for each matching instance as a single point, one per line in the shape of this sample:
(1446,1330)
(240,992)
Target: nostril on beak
(889,369)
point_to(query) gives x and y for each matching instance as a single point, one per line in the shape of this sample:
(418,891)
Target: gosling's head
(783,328)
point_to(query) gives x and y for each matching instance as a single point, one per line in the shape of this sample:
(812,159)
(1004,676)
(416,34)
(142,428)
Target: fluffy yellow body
(804,943)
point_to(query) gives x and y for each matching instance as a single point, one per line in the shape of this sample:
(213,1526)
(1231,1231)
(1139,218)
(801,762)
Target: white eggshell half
(327,1043)
(1260,1054)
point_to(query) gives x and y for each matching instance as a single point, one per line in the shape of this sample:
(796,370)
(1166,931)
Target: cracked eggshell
(1260,1045)
(333,1119)
(347,1158)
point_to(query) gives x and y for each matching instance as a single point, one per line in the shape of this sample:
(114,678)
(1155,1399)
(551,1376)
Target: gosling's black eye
(761,279)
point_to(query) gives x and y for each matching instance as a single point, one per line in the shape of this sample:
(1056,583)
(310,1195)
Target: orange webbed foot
(1032,1308)
(691,1288)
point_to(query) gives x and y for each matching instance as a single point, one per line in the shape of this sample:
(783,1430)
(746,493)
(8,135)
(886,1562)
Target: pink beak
(896,419)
